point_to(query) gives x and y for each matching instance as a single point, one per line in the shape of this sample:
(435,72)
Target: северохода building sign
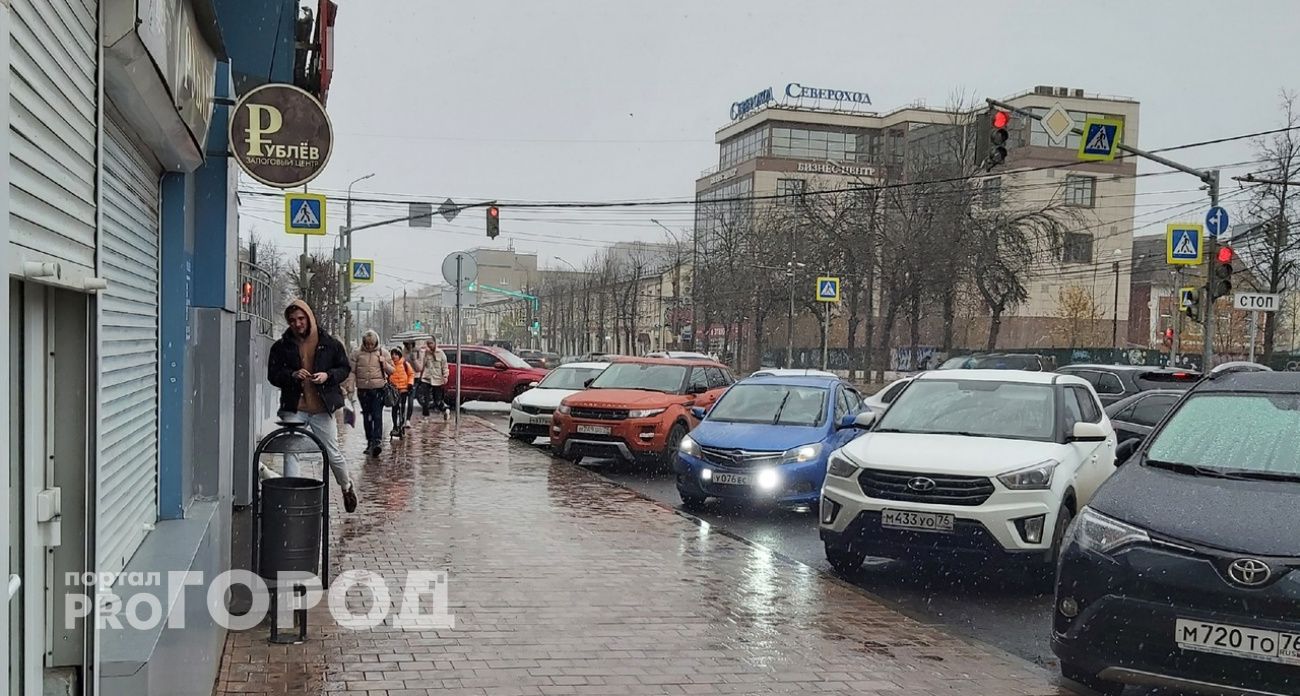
(281,135)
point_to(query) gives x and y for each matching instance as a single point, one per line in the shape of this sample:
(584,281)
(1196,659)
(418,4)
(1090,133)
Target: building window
(1080,191)
(1078,248)
(991,192)
(791,190)
(821,145)
(743,147)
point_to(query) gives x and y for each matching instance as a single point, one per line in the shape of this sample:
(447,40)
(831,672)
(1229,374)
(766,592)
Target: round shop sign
(281,135)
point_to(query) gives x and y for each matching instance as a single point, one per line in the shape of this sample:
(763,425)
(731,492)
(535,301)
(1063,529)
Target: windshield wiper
(1263,476)
(781,407)
(1194,470)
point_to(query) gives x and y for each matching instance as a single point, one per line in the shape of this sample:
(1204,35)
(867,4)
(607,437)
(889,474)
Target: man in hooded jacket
(309,367)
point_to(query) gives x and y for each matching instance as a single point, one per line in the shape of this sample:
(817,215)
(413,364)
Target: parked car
(490,374)
(767,439)
(880,401)
(1031,362)
(1135,416)
(540,359)
(681,355)
(638,409)
(531,411)
(1181,571)
(589,357)
(791,372)
(982,462)
(1115,382)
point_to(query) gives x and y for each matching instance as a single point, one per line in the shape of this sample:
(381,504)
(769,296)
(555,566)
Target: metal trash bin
(291,522)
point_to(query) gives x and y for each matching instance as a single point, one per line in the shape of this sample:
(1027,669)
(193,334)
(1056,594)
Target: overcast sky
(603,100)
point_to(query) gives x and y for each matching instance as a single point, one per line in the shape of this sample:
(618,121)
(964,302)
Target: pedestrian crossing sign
(1100,140)
(828,289)
(362,270)
(304,213)
(1183,242)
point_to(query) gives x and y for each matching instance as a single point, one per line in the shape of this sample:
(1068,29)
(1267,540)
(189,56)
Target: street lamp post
(1114,322)
(347,247)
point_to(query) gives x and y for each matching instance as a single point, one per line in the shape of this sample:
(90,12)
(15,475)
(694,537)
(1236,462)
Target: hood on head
(311,316)
(368,336)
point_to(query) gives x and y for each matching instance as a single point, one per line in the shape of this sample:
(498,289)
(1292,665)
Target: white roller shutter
(53,48)
(128,383)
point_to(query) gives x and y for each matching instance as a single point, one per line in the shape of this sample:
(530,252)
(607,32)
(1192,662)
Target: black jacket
(331,359)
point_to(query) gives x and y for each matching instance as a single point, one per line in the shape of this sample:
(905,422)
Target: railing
(255,297)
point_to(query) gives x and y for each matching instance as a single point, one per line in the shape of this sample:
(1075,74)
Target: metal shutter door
(53,48)
(128,383)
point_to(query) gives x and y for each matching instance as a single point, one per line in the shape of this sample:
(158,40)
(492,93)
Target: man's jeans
(323,426)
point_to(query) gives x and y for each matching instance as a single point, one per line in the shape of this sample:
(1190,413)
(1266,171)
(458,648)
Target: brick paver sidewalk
(563,583)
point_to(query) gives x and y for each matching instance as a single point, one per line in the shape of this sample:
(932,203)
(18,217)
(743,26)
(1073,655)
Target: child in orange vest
(402,377)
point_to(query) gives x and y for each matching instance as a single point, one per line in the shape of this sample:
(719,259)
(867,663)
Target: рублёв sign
(280,135)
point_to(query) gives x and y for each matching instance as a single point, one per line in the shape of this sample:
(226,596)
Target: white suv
(984,462)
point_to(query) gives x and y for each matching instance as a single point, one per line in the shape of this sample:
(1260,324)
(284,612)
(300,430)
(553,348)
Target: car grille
(738,458)
(534,410)
(947,490)
(609,414)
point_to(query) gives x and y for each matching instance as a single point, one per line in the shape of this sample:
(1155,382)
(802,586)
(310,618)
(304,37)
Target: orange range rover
(637,410)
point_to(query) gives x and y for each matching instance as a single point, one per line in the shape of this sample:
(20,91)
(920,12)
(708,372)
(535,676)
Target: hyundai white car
(968,462)
(531,411)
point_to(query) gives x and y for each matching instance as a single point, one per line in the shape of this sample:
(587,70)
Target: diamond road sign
(1057,123)
(1183,244)
(1100,140)
(304,213)
(449,209)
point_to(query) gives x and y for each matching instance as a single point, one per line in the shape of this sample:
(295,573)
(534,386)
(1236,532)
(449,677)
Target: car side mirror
(699,389)
(499,365)
(699,412)
(532,385)
(863,420)
(586,383)
(1088,432)
(1127,449)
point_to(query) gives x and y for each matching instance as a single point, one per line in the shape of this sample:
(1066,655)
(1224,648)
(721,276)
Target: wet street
(562,582)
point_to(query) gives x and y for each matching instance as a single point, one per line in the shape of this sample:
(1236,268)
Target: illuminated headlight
(706,474)
(562,409)
(688,446)
(841,467)
(768,479)
(801,454)
(1101,534)
(645,412)
(1031,478)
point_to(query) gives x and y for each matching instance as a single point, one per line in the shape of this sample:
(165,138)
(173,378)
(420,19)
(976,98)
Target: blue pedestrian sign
(1183,244)
(1100,140)
(828,289)
(1216,221)
(304,213)
(362,270)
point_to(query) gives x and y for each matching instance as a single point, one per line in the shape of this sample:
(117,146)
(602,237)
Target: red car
(491,374)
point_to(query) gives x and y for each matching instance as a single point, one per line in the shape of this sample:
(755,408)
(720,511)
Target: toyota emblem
(1249,572)
(921,484)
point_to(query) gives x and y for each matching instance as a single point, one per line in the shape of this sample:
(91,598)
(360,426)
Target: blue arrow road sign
(1216,221)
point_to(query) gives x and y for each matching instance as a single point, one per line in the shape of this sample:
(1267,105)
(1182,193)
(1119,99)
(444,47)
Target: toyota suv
(638,409)
(491,373)
(983,462)
(1183,572)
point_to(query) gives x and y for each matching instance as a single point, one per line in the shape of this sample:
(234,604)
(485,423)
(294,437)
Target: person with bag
(434,378)
(371,367)
(401,380)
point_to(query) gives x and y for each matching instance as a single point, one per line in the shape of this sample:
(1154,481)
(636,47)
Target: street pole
(347,276)
(1176,317)
(459,363)
(789,332)
(1254,328)
(826,337)
(1211,253)
(1114,322)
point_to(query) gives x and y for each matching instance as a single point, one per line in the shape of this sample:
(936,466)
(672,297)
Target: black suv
(1115,382)
(1183,571)
(1031,362)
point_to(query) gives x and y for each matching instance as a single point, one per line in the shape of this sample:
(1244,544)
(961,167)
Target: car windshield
(511,359)
(648,376)
(1240,433)
(777,404)
(978,408)
(569,378)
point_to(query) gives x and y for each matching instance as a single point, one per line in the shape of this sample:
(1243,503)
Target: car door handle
(15,582)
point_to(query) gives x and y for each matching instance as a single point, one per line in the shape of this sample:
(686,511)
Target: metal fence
(255,301)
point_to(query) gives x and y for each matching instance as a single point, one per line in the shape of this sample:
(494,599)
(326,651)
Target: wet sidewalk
(563,583)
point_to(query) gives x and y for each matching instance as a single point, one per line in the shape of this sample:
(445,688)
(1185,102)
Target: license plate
(540,420)
(732,479)
(1236,641)
(922,521)
(594,430)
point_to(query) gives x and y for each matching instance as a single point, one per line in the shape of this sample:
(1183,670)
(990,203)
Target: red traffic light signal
(1169,336)
(493,221)
(248,293)
(1226,254)
(494,211)
(1001,119)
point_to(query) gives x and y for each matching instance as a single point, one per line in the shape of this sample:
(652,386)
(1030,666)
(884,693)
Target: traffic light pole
(1211,180)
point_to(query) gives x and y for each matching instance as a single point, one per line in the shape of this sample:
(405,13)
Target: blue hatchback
(767,439)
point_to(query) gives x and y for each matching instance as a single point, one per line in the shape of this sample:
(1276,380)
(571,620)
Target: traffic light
(493,221)
(246,297)
(994,152)
(1221,274)
(1192,303)
(1169,336)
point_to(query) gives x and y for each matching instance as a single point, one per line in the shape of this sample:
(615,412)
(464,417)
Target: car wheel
(670,446)
(691,502)
(1081,676)
(1063,519)
(844,561)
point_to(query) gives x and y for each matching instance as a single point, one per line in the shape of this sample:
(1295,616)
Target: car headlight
(688,446)
(562,409)
(841,467)
(1031,478)
(1101,534)
(645,412)
(515,405)
(801,454)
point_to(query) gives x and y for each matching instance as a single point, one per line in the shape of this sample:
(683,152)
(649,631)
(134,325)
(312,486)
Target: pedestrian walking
(309,367)
(414,358)
(434,377)
(402,378)
(371,367)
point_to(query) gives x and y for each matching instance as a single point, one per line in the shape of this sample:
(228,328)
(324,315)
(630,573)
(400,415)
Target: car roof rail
(1236,366)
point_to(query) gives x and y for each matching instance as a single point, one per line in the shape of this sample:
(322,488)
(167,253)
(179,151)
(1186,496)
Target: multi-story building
(782,149)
